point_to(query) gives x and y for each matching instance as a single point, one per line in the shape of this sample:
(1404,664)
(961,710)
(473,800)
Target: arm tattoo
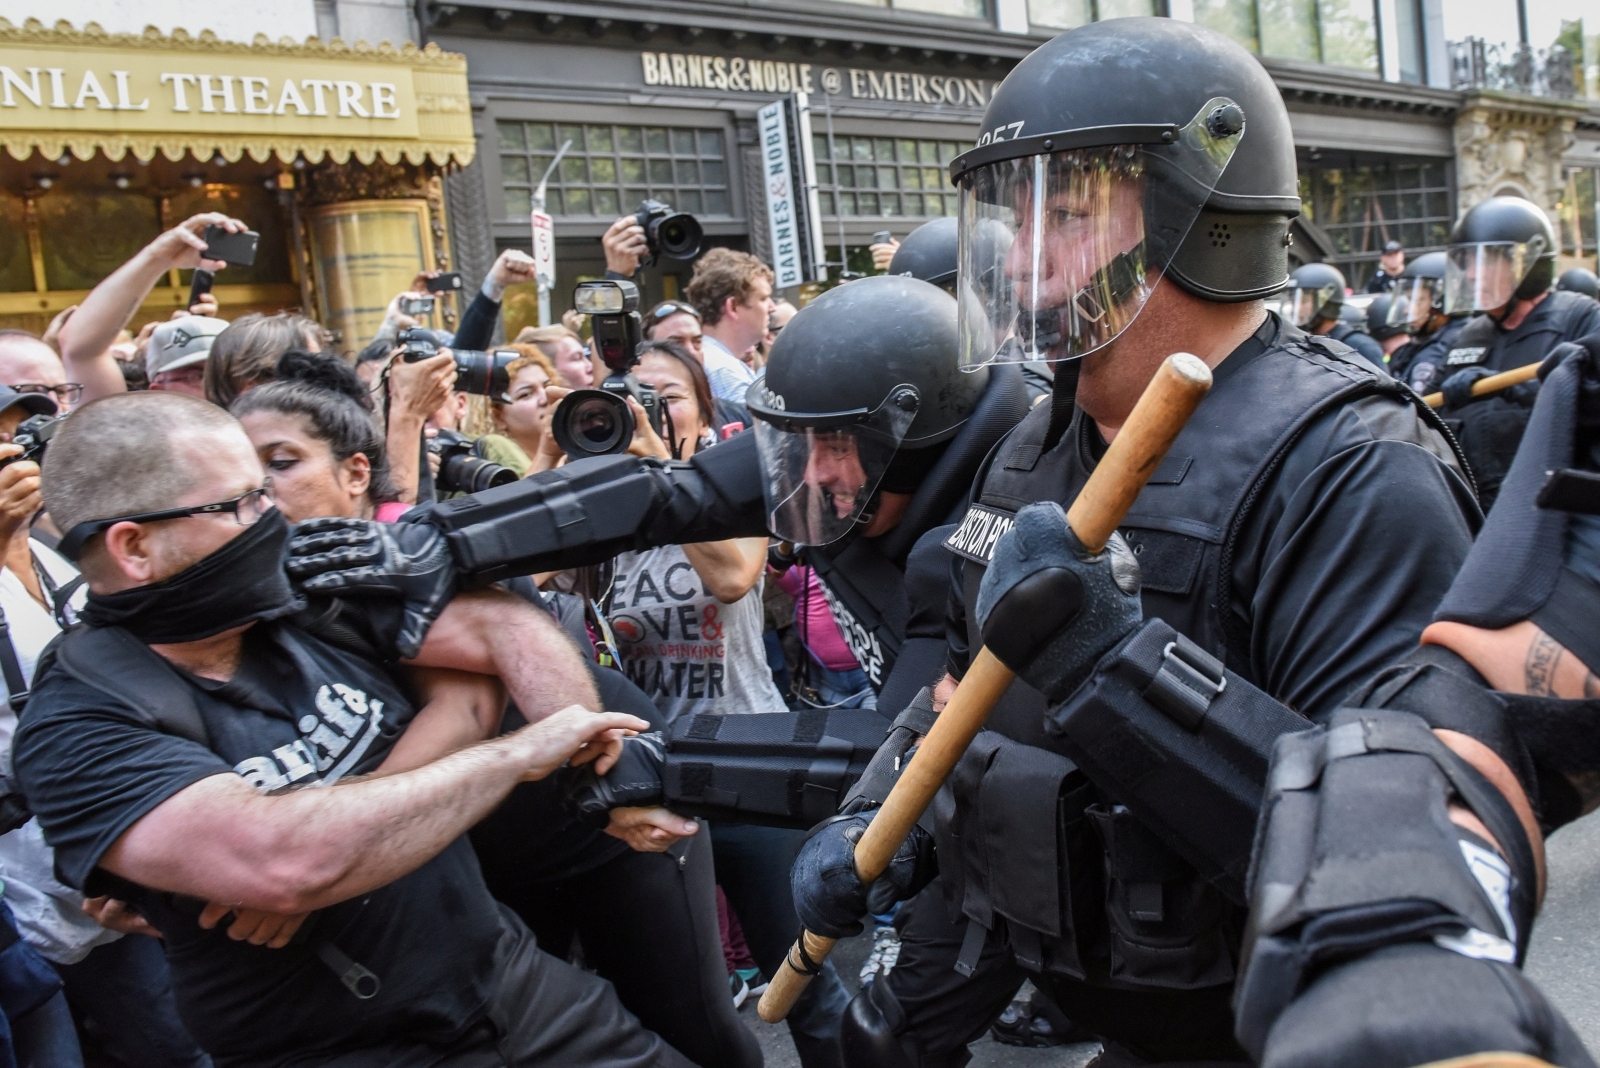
(1539,670)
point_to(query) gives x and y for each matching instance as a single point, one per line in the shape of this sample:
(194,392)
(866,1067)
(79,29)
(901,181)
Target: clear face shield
(1059,251)
(1301,305)
(1413,302)
(821,470)
(1485,275)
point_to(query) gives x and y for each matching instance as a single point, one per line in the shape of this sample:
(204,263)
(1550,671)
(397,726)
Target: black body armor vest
(1098,897)
(864,578)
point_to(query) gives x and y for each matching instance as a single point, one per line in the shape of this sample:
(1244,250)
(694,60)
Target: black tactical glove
(827,893)
(635,779)
(1048,608)
(1457,388)
(365,558)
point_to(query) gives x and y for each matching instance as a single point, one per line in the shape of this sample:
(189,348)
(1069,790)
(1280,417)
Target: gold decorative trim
(447,136)
(35,32)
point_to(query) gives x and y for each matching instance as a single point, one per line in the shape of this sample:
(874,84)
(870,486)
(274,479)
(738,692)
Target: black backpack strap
(11,667)
(112,660)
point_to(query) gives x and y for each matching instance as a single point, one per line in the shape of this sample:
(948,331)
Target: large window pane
(1289,28)
(1361,203)
(1060,14)
(869,188)
(1349,34)
(1236,18)
(610,169)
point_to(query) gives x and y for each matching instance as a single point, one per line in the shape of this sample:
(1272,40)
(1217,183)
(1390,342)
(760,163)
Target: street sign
(544,249)
(783,180)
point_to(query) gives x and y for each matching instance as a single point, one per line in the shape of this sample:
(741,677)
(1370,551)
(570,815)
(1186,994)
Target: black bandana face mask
(242,582)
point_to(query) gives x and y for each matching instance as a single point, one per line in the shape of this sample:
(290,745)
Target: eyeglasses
(66,393)
(667,309)
(246,509)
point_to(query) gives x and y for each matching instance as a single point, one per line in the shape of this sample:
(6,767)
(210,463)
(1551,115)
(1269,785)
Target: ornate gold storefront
(334,153)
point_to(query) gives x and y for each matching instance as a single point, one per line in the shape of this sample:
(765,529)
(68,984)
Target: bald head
(25,360)
(141,452)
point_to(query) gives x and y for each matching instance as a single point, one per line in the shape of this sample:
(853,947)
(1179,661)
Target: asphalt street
(1564,959)
(1564,956)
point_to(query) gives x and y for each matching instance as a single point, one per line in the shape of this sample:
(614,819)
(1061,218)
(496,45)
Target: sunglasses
(667,309)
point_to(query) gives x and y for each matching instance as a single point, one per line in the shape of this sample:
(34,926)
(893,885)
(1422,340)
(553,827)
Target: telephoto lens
(592,422)
(462,472)
(484,373)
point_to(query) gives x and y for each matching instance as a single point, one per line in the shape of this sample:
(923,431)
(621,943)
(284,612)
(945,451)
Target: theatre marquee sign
(739,75)
(118,92)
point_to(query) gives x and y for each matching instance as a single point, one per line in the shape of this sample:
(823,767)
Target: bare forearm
(311,848)
(729,568)
(403,442)
(461,710)
(496,633)
(87,337)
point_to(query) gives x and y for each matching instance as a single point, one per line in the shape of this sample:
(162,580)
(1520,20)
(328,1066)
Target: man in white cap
(176,357)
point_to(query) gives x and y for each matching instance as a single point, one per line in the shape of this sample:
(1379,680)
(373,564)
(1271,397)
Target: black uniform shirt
(1348,549)
(299,712)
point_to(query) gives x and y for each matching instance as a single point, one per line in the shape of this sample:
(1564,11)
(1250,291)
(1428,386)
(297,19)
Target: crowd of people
(595,743)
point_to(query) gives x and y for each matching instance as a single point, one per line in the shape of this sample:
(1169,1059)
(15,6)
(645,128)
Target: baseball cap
(1393,246)
(32,403)
(181,342)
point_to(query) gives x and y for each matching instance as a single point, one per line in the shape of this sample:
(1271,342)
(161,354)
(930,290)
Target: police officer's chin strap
(1063,399)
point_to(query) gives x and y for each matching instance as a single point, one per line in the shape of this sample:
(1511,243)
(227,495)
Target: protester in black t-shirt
(201,675)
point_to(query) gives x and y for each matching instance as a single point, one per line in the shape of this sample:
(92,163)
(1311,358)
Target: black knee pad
(868,1031)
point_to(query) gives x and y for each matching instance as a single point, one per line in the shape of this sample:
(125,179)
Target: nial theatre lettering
(228,94)
(737,74)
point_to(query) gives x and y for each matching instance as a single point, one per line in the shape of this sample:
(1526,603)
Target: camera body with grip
(598,422)
(483,373)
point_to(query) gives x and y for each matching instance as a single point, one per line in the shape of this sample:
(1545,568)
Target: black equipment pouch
(782,769)
(1167,927)
(1356,851)
(1029,860)
(1165,730)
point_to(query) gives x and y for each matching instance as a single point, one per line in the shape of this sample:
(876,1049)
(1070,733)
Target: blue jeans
(843,689)
(753,870)
(124,986)
(38,1025)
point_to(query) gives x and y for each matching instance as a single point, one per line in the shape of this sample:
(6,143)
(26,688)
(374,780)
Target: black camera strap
(11,666)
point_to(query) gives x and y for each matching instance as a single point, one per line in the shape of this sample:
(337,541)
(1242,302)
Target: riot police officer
(1418,305)
(1315,302)
(929,253)
(1392,337)
(1579,280)
(1149,198)
(1501,264)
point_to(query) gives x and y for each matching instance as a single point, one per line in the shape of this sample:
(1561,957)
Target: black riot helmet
(1317,292)
(1503,249)
(865,371)
(1378,324)
(1579,280)
(929,253)
(1418,293)
(1119,153)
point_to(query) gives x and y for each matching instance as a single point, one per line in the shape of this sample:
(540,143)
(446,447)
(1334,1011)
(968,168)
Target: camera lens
(483,373)
(592,422)
(678,236)
(469,474)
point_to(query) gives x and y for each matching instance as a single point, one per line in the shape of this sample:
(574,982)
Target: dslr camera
(673,234)
(462,472)
(33,434)
(598,422)
(483,373)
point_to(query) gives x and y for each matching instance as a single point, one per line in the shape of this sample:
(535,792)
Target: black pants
(648,923)
(546,1012)
(124,991)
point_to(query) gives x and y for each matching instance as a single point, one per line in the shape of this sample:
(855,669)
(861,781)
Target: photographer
(155,796)
(87,336)
(414,391)
(522,439)
(732,291)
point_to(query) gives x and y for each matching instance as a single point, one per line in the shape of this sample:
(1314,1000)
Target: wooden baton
(1171,397)
(1492,383)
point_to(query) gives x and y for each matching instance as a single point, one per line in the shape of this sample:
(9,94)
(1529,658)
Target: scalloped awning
(84,91)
